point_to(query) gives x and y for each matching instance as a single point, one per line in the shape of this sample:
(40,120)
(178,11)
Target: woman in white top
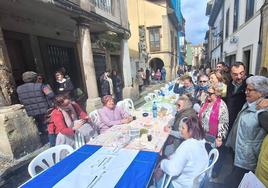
(190,158)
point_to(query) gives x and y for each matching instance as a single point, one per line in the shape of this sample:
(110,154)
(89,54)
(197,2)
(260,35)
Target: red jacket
(57,124)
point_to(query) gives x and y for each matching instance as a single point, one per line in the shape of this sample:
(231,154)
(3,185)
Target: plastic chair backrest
(152,95)
(166,181)
(129,105)
(94,116)
(147,98)
(48,158)
(121,104)
(79,140)
(207,172)
(157,92)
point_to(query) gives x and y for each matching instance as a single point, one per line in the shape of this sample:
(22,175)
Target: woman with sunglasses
(184,109)
(190,158)
(214,119)
(201,89)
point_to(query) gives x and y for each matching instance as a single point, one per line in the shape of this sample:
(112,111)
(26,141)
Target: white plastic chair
(147,98)
(157,92)
(48,158)
(207,172)
(121,104)
(129,105)
(165,181)
(79,140)
(94,116)
(152,95)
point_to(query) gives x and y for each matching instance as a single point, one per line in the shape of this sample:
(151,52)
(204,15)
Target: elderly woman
(66,118)
(190,158)
(184,109)
(201,88)
(216,78)
(249,130)
(111,115)
(214,119)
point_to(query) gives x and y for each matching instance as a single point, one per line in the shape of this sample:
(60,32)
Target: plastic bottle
(154,110)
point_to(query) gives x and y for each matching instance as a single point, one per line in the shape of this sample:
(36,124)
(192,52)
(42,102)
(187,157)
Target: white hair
(259,83)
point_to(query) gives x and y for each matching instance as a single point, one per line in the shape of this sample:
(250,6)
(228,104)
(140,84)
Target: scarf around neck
(214,116)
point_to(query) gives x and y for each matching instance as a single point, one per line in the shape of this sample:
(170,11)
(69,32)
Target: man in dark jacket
(236,96)
(35,99)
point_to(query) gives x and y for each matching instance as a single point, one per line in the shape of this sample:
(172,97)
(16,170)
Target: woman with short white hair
(249,130)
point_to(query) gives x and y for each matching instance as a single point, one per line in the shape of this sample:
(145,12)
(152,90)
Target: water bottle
(154,109)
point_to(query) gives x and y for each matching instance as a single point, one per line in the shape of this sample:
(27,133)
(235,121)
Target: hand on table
(127,120)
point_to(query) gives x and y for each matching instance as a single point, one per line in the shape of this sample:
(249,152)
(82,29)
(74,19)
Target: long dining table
(113,159)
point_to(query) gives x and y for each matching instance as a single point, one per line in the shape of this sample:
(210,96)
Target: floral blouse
(223,119)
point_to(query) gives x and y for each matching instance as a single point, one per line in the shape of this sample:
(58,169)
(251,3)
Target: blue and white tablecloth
(96,166)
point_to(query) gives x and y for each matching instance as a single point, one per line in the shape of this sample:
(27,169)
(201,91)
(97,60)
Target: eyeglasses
(202,81)
(248,90)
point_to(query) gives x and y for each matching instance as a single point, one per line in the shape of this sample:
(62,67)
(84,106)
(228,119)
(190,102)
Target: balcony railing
(105,5)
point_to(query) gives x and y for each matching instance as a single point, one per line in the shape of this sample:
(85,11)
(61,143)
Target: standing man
(223,69)
(236,88)
(163,73)
(34,97)
(220,66)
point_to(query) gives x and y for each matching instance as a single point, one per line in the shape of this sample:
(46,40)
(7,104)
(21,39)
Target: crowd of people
(57,110)
(230,108)
(144,78)
(222,108)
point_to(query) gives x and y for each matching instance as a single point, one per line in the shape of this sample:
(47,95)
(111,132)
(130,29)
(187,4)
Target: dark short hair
(194,127)
(187,77)
(221,62)
(58,100)
(237,64)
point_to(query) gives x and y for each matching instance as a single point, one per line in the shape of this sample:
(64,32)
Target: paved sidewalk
(145,91)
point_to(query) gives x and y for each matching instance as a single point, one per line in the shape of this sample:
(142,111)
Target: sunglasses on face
(209,93)
(203,81)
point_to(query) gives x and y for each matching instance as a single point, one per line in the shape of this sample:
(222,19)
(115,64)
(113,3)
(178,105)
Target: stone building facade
(154,36)
(86,37)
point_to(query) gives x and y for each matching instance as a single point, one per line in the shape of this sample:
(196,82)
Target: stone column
(87,65)
(7,84)
(128,90)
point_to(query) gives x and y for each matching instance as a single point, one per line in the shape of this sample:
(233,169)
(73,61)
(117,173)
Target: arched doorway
(156,63)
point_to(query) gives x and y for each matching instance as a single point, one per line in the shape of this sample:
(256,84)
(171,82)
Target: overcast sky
(196,21)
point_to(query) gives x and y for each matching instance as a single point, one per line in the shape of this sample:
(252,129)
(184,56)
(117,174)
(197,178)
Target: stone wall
(18,132)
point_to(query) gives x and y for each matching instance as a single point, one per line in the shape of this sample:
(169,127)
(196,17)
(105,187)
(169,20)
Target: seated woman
(248,131)
(111,115)
(66,118)
(214,119)
(184,109)
(190,158)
